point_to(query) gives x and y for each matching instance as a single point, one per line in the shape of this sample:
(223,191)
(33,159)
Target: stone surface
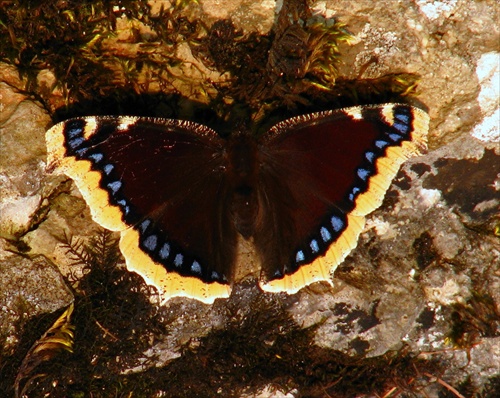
(22,155)
(428,248)
(28,287)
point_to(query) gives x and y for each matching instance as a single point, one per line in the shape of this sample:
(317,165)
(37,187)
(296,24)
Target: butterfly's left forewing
(323,174)
(150,180)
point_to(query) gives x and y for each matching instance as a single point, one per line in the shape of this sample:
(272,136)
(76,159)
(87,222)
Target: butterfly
(183,198)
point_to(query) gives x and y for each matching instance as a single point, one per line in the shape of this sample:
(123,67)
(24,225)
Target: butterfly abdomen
(242,168)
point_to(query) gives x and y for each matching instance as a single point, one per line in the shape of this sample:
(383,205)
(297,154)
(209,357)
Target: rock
(28,288)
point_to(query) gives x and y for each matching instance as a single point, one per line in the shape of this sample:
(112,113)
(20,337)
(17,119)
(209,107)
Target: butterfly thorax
(242,170)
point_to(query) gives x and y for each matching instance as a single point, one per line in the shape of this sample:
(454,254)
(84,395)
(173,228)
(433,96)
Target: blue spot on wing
(164,251)
(402,117)
(179,259)
(363,174)
(96,157)
(150,242)
(196,267)
(144,225)
(325,234)
(76,142)
(381,144)
(114,186)
(215,275)
(72,132)
(395,137)
(353,193)
(82,151)
(337,223)
(108,168)
(402,128)
(314,246)
(370,156)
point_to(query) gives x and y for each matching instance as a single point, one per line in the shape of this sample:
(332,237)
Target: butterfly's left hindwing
(150,180)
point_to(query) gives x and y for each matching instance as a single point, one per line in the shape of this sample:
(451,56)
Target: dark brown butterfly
(183,198)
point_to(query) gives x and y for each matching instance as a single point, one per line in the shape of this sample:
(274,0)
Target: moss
(477,318)
(292,69)
(59,337)
(71,39)
(492,388)
(260,345)
(113,324)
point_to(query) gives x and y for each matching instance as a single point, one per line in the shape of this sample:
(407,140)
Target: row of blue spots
(113,186)
(124,206)
(326,236)
(74,131)
(355,191)
(365,173)
(151,243)
(401,124)
(402,121)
